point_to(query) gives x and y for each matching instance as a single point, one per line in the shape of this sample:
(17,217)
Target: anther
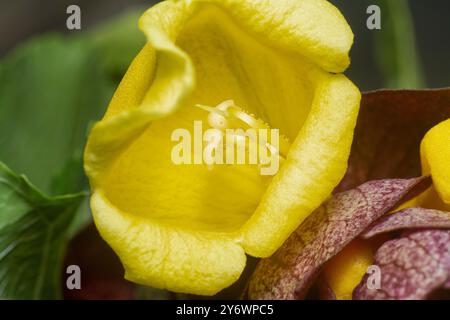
(227,115)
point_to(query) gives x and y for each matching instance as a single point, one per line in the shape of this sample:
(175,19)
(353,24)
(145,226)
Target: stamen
(212,110)
(227,115)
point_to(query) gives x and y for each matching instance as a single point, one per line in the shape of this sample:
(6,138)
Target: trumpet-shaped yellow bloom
(187,227)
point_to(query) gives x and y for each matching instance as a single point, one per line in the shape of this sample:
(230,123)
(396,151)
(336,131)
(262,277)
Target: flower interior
(274,88)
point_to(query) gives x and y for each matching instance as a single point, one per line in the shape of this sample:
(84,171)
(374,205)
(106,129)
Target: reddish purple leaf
(290,271)
(411,267)
(408,219)
(447,284)
(102,272)
(390,127)
(321,290)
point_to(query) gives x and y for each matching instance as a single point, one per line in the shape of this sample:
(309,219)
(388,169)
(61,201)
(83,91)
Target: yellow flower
(435,154)
(187,227)
(345,271)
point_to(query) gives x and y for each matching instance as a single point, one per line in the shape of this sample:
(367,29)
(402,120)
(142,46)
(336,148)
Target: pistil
(227,115)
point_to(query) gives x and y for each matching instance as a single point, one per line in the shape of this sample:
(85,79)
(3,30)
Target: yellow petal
(166,257)
(135,83)
(185,227)
(345,271)
(316,163)
(144,180)
(435,155)
(315,29)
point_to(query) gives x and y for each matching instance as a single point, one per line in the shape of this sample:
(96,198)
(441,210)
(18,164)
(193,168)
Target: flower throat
(232,137)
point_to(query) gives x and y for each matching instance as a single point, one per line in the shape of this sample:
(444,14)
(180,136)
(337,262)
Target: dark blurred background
(21,19)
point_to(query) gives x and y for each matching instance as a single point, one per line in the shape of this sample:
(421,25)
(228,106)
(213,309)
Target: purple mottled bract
(289,273)
(410,218)
(411,267)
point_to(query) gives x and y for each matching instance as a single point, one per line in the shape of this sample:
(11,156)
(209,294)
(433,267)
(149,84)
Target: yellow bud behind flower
(435,155)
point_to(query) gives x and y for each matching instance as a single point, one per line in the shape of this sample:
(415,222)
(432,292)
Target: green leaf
(50,89)
(33,237)
(396,48)
(117,41)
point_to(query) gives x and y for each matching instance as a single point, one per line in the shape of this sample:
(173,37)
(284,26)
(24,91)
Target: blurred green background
(22,19)
(55,83)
